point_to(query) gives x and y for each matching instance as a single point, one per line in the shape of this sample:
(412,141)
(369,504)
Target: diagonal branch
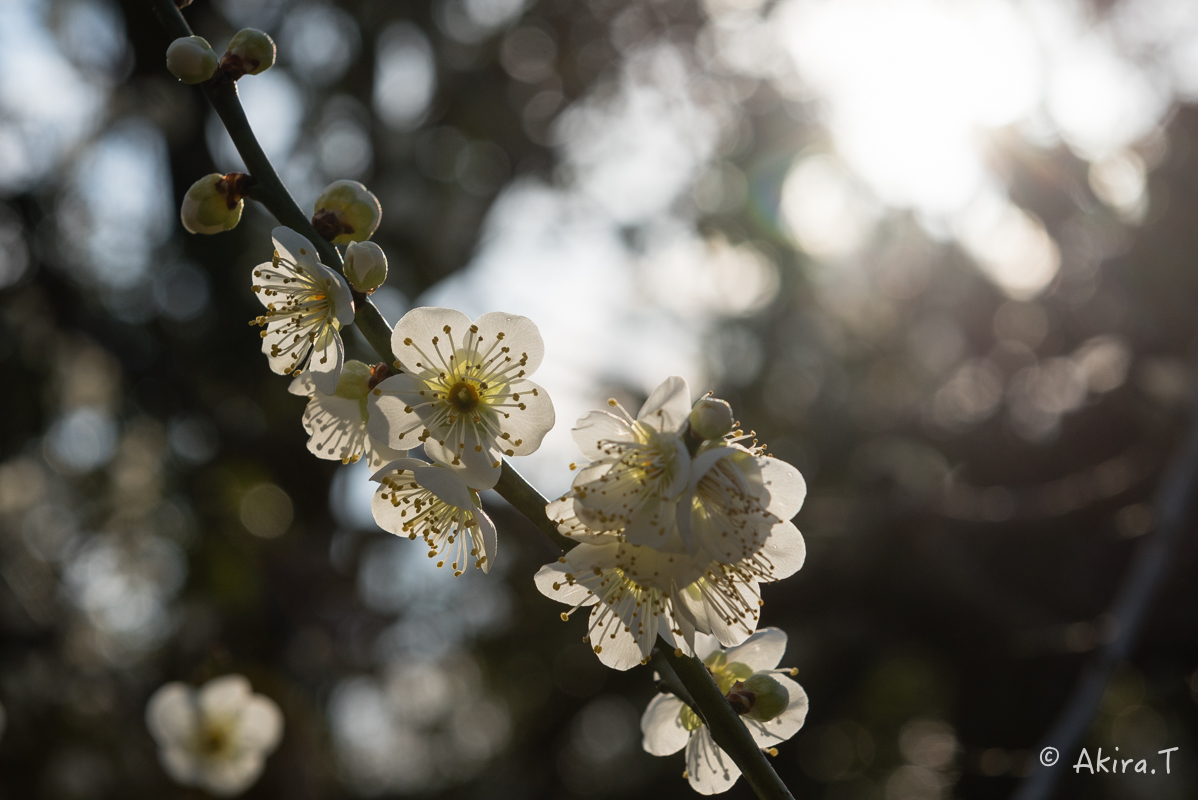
(1173,506)
(695,681)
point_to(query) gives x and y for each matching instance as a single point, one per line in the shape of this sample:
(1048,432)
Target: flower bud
(354,383)
(214,202)
(365,266)
(711,418)
(346,212)
(759,697)
(191,59)
(250,51)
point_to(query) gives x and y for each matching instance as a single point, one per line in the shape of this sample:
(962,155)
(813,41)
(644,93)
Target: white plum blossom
(216,737)
(336,423)
(669,725)
(433,502)
(739,500)
(639,467)
(464,391)
(307,304)
(638,593)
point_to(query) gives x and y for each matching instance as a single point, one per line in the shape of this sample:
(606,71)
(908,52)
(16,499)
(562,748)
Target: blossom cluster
(458,388)
(679,522)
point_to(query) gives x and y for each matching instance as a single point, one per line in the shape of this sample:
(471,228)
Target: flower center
(213,739)
(463,395)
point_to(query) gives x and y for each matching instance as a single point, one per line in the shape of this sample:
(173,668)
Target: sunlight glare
(910,87)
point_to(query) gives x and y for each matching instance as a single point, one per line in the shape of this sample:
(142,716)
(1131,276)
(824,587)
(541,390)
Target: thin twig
(668,680)
(1174,503)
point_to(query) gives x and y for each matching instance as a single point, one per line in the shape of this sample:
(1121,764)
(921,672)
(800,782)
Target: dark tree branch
(1173,506)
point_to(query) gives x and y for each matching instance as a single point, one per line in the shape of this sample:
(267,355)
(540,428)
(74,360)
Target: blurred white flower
(668,724)
(435,503)
(336,423)
(465,389)
(639,466)
(216,737)
(306,305)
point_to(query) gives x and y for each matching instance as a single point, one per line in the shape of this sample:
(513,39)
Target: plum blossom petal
(761,651)
(464,393)
(639,467)
(307,304)
(662,726)
(709,770)
(787,724)
(337,424)
(431,501)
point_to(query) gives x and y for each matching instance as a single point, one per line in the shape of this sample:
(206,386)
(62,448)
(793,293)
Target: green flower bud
(346,212)
(760,697)
(214,202)
(365,266)
(711,418)
(191,59)
(250,51)
(354,383)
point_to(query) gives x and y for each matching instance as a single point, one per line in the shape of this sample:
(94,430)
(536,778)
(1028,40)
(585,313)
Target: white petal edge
(661,727)
(708,768)
(761,651)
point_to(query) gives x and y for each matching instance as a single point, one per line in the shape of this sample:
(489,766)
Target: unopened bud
(759,697)
(346,212)
(191,59)
(365,266)
(214,202)
(250,51)
(711,418)
(354,383)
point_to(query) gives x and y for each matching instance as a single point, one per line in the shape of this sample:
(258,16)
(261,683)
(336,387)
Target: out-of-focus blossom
(434,502)
(669,725)
(465,388)
(346,212)
(336,423)
(216,737)
(306,306)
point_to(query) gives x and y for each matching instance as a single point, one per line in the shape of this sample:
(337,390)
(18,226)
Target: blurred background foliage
(938,255)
